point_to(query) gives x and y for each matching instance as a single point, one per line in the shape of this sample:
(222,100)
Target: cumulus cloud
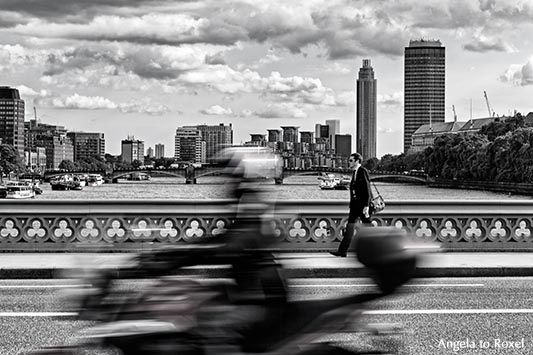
(77,101)
(217,110)
(394,100)
(152,62)
(282,110)
(81,102)
(27,91)
(485,44)
(15,57)
(337,68)
(519,74)
(144,106)
(387,130)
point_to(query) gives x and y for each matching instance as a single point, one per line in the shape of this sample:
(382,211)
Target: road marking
(38,314)
(36,287)
(374,312)
(40,286)
(370,285)
(449,311)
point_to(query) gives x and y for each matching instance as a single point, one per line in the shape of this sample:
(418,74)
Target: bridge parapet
(302,224)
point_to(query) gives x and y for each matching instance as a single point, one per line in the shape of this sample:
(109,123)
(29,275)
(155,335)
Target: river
(293,188)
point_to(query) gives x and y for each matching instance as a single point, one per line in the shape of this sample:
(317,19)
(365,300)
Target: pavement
(301,264)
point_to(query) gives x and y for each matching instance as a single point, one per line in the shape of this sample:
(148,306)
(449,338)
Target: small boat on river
(19,191)
(95,180)
(334,182)
(65,182)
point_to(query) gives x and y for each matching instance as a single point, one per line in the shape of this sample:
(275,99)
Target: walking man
(360,196)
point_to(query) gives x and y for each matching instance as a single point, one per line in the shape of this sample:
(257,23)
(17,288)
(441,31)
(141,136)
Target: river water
(293,188)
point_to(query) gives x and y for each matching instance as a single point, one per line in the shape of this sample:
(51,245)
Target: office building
(290,134)
(150,152)
(131,150)
(216,138)
(366,113)
(274,135)
(307,137)
(159,151)
(424,85)
(257,140)
(58,146)
(189,145)
(334,129)
(322,136)
(289,137)
(35,158)
(12,119)
(343,145)
(87,145)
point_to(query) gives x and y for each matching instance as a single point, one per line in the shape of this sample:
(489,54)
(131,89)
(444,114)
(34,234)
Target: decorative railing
(125,225)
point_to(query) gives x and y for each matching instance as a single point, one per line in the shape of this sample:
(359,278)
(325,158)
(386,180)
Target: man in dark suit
(360,196)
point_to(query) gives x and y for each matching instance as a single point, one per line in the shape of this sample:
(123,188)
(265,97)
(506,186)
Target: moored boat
(19,191)
(328,181)
(95,180)
(333,182)
(65,182)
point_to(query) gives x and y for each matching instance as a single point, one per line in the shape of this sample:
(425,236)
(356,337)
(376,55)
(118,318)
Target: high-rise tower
(424,86)
(12,119)
(366,117)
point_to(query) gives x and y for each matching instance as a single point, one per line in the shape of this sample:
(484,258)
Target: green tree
(371,164)
(500,127)
(68,165)
(10,161)
(136,163)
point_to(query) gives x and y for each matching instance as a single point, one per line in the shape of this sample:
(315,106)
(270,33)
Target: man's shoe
(338,253)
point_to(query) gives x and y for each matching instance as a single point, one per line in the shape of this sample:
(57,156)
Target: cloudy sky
(146,67)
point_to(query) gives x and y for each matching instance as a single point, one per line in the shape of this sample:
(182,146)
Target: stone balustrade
(302,224)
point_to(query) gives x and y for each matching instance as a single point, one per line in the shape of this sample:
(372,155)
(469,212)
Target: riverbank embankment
(503,187)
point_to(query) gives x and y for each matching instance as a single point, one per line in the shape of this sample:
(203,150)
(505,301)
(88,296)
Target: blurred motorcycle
(175,315)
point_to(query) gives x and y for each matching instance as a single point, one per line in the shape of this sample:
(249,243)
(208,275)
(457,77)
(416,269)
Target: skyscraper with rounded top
(424,86)
(366,111)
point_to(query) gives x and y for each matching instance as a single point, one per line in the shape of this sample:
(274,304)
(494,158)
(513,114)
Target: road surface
(439,316)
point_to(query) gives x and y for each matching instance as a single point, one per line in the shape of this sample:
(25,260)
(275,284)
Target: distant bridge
(191,174)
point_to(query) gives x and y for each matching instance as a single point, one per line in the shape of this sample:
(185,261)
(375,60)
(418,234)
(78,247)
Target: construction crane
(454,114)
(491,111)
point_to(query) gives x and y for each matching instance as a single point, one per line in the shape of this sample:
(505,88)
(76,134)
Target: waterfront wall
(505,187)
(51,225)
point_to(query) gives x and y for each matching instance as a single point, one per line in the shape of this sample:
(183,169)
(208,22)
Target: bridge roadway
(191,174)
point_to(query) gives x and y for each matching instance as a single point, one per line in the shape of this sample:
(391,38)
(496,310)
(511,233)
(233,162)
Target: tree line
(11,162)
(501,151)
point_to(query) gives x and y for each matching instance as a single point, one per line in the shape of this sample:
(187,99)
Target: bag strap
(375,187)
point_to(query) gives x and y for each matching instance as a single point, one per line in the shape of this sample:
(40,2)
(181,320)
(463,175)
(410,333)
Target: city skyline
(146,68)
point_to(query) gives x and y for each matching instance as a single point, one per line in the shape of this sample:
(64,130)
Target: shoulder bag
(377,203)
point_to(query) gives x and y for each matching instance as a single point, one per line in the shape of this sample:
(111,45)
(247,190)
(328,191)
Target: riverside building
(12,119)
(216,138)
(132,149)
(424,85)
(189,145)
(58,146)
(87,145)
(159,151)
